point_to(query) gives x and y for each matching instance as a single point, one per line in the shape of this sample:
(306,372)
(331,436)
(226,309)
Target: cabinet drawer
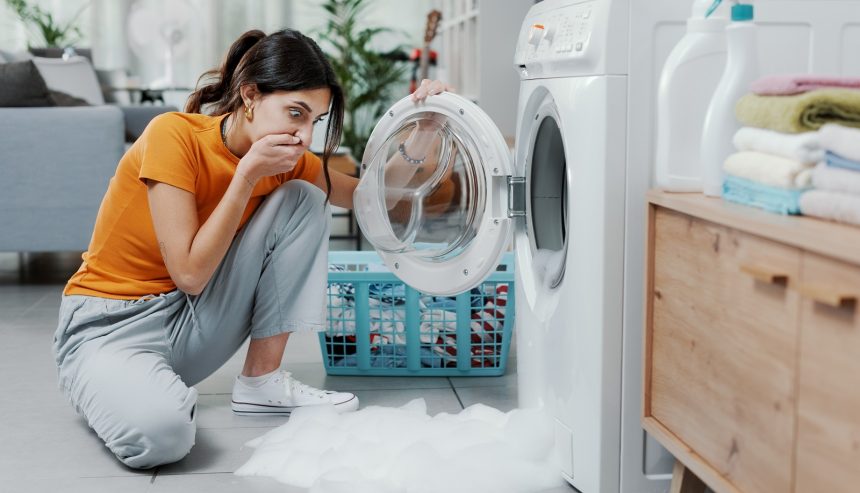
(723,347)
(828,434)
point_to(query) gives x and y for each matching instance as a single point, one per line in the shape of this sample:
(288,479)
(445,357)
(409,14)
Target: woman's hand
(273,154)
(429,88)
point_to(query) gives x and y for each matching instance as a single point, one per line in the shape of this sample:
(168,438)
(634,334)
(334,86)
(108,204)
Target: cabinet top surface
(814,235)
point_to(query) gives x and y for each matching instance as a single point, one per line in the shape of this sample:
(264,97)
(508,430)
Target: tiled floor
(45,446)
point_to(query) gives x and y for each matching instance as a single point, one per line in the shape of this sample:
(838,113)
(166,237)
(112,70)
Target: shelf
(838,241)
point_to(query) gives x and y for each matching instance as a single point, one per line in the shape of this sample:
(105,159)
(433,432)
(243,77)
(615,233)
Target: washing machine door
(433,194)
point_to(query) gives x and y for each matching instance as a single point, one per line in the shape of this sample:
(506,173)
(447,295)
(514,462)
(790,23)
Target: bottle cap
(742,12)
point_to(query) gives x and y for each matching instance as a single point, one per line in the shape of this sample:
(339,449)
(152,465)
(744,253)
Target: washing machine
(572,199)
(442,220)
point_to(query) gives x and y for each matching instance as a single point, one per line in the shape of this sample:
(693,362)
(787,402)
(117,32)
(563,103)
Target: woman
(213,229)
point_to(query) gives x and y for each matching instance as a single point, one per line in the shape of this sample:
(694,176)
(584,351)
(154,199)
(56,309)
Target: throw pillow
(23,85)
(61,98)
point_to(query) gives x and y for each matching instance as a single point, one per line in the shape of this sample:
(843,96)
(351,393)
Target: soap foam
(404,450)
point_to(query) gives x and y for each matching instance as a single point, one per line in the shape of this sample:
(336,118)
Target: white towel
(841,140)
(767,169)
(805,148)
(835,179)
(836,206)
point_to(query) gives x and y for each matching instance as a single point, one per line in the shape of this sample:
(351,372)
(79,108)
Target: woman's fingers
(282,139)
(429,88)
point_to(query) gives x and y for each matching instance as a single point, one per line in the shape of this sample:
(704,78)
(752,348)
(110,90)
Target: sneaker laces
(295,386)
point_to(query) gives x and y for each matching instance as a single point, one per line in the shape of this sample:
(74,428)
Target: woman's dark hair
(282,61)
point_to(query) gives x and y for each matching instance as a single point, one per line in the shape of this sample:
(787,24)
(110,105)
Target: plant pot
(54,52)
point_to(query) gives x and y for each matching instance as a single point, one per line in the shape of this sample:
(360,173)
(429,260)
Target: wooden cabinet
(828,432)
(749,382)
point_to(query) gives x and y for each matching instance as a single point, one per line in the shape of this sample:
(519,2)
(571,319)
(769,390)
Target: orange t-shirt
(185,150)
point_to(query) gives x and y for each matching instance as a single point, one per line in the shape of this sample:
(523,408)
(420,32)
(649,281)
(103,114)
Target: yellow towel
(802,112)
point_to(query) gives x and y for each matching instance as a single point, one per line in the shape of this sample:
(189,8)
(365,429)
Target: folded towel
(784,85)
(834,179)
(773,199)
(837,161)
(840,140)
(837,206)
(800,113)
(804,148)
(768,169)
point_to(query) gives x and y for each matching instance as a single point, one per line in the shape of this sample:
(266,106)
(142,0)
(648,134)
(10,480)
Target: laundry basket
(377,325)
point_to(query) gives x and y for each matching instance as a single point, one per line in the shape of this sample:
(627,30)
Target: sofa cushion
(61,98)
(23,85)
(74,76)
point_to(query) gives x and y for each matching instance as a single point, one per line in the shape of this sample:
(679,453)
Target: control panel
(564,33)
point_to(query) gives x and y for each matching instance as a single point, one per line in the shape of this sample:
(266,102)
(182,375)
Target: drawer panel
(828,434)
(724,347)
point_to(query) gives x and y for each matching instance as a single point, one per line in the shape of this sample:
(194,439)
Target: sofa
(56,161)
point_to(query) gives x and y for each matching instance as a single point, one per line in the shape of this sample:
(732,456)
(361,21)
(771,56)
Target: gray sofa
(56,162)
(55,165)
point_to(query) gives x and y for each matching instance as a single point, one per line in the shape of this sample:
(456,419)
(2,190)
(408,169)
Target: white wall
(217,24)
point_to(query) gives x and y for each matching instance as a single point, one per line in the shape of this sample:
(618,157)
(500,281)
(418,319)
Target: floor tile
(51,442)
(213,411)
(438,400)
(509,378)
(77,485)
(219,483)
(502,398)
(216,450)
(15,300)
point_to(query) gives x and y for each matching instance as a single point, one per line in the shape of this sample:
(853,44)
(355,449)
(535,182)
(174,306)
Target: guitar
(424,55)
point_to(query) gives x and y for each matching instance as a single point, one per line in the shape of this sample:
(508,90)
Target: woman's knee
(156,437)
(304,206)
(305,193)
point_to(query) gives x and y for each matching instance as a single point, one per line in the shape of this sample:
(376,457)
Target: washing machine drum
(433,194)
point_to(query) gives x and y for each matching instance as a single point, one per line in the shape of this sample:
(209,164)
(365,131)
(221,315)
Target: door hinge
(516,196)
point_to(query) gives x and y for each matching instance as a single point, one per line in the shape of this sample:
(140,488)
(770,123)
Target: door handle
(828,295)
(765,274)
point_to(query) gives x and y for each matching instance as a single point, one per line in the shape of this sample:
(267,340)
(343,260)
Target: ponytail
(218,91)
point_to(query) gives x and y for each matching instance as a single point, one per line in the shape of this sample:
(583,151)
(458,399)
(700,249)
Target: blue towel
(838,161)
(772,199)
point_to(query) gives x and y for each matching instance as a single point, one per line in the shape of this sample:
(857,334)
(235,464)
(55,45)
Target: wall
(215,25)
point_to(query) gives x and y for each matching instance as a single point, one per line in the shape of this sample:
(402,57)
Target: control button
(579,46)
(536,33)
(586,14)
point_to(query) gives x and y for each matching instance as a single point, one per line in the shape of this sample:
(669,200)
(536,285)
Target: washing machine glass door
(433,195)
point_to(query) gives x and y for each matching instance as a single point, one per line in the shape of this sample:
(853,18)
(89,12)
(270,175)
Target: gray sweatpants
(128,366)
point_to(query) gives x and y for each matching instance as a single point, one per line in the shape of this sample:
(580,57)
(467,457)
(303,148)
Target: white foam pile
(404,450)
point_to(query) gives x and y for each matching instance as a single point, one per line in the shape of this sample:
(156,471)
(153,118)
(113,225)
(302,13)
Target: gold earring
(249,112)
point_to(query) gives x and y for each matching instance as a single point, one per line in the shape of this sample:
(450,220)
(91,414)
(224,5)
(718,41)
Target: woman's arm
(342,187)
(192,251)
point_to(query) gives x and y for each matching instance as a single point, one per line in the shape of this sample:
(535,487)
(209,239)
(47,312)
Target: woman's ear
(249,94)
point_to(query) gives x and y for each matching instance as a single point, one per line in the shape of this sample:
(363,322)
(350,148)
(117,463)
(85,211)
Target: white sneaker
(282,393)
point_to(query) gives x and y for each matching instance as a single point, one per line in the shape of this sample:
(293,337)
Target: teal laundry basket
(377,325)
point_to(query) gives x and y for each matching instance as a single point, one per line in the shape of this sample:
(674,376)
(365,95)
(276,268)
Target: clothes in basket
(439,330)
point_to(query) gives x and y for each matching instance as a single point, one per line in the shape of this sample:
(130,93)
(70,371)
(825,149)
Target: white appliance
(573,199)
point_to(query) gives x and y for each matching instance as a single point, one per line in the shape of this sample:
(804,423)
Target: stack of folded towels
(779,145)
(836,181)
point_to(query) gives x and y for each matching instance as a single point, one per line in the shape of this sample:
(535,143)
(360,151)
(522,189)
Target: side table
(346,165)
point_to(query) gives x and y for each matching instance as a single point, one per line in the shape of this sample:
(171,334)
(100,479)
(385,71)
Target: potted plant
(56,35)
(368,76)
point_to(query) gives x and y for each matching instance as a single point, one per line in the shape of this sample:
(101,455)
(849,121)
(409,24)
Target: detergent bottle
(687,83)
(720,122)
